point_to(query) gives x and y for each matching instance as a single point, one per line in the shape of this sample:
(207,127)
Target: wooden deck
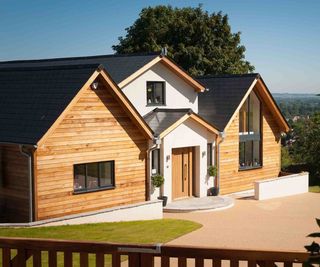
(17,252)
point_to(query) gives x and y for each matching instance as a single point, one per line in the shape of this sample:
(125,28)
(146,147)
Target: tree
(312,145)
(307,146)
(199,42)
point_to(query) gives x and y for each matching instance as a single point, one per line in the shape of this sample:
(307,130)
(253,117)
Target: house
(243,109)
(147,116)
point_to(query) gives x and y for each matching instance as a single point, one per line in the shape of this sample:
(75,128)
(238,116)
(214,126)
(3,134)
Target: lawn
(155,231)
(314,189)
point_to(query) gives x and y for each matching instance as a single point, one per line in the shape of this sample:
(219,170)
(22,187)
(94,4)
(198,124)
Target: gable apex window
(156,93)
(250,133)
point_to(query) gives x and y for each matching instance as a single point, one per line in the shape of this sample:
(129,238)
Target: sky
(282,37)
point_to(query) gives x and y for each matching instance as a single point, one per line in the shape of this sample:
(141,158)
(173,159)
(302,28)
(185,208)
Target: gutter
(223,136)
(29,154)
(156,145)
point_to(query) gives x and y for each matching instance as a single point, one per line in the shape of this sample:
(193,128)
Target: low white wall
(149,210)
(282,186)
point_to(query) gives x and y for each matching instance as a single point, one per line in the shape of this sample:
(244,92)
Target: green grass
(314,189)
(143,232)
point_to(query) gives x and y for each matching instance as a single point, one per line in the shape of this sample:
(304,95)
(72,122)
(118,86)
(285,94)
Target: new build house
(85,134)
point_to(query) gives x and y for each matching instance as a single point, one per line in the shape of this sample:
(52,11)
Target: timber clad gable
(231,178)
(96,128)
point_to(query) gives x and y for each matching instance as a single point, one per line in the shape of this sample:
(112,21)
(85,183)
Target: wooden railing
(17,252)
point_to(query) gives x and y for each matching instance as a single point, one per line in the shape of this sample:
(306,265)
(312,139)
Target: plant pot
(214,191)
(164,200)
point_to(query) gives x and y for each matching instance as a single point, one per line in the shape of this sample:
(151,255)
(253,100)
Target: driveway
(277,224)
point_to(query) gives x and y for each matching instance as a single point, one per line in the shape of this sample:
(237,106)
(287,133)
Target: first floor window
(155,93)
(92,176)
(249,154)
(155,162)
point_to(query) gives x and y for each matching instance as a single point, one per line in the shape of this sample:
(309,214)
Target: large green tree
(200,42)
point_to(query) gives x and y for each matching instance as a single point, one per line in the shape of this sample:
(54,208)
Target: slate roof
(31,99)
(119,67)
(160,119)
(218,104)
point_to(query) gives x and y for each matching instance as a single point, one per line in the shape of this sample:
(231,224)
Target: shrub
(157,180)
(212,170)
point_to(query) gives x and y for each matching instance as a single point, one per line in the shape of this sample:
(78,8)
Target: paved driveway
(278,224)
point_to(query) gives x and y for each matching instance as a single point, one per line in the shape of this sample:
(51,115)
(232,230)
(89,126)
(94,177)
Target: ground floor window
(209,154)
(93,176)
(155,162)
(249,154)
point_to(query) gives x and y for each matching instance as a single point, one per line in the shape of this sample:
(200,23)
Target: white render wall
(188,134)
(178,93)
(283,186)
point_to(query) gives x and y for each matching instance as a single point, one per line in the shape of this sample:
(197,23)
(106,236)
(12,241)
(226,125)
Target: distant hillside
(293,105)
(294,96)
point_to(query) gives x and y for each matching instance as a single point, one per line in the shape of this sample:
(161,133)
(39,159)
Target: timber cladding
(96,128)
(14,202)
(233,180)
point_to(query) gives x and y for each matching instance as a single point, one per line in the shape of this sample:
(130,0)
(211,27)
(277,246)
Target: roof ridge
(55,67)
(210,76)
(79,58)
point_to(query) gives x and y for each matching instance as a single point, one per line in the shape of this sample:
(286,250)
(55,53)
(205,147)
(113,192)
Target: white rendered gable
(178,94)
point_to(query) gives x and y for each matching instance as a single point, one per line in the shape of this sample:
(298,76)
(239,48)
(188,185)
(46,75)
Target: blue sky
(282,37)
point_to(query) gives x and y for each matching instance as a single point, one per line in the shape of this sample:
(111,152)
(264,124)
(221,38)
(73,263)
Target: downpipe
(29,155)
(156,145)
(222,136)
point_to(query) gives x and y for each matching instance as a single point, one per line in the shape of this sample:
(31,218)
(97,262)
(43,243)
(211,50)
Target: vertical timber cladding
(233,180)
(95,129)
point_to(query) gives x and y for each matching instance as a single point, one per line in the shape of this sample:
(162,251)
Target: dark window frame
(210,155)
(99,188)
(243,138)
(153,163)
(163,93)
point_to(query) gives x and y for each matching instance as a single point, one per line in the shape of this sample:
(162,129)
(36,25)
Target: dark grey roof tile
(32,99)
(224,94)
(160,119)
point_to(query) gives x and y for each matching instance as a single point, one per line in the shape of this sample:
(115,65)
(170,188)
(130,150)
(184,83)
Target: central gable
(177,92)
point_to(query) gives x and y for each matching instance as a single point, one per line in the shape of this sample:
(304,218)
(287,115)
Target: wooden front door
(182,170)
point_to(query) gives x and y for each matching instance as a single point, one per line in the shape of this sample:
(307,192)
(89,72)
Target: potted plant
(212,172)
(157,181)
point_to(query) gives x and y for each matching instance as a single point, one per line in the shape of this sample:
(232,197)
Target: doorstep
(198,204)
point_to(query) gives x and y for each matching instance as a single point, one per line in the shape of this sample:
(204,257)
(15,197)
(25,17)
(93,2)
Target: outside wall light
(94,85)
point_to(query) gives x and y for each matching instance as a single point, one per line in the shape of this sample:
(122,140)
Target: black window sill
(155,105)
(249,168)
(83,191)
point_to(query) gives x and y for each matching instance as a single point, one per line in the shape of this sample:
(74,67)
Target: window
(209,155)
(155,162)
(93,176)
(155,93)
(250,133)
